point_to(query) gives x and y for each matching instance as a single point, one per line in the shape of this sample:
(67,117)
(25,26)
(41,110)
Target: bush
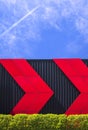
(18,122)
(46,122)
(33,122)
(77,122)
(4,121)
(43,122)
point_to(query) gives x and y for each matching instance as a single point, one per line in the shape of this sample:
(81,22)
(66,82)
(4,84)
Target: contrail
(19,21)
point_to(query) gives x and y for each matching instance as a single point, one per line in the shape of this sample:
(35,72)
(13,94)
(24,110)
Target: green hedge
(43,122)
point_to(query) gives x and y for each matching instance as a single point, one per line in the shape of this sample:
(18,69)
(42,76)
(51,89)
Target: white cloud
(82,26)
(50,13)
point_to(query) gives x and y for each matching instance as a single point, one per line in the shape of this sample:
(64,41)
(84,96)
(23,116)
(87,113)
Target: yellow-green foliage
(4,121)
(77,122)
(43,122)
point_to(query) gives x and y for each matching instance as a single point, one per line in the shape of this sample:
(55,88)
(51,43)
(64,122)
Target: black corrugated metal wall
(64,91)
(10,92)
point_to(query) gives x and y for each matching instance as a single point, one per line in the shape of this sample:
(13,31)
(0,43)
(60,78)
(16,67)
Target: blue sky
(47,29)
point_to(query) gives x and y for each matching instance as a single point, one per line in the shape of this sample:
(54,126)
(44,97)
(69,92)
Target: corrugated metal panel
(10,92)
(85,61)
(65,92)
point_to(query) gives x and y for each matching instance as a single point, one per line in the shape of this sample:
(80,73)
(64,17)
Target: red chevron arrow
(37,92)
(77,73)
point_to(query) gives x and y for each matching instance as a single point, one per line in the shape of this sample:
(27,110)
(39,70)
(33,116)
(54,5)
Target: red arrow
(77,73)
(37,92)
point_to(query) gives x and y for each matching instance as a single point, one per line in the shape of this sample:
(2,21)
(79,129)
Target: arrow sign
(77,73)
(37,92)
